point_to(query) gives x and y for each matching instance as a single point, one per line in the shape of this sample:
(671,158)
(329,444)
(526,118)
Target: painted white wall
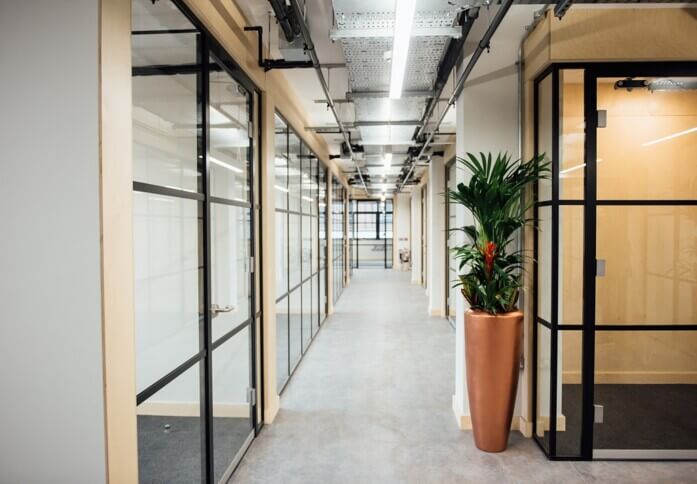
(52,405)
(416,235)
(487,120)
(436,236)
(401,226)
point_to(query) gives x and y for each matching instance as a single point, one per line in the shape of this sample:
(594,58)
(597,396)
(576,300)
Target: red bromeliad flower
(489,253)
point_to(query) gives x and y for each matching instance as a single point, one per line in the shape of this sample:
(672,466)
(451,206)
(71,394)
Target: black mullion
(288,236)
(252,252)
(548,203)
(301,163)
(162,382)
(656,203)
(256,183)
(555,266)
(164,31)
(167,191)
(208,469)
(589,263)
(233,203)
(219,342)
(646,327)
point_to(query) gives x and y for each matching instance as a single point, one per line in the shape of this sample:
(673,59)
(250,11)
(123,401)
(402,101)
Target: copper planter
(492,354)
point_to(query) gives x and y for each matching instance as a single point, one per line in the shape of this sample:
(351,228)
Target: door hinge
(602,118)
(600,268)
(252,396)
(251,264)
(598,413)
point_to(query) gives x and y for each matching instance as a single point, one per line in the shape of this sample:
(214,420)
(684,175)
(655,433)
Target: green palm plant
(494,196)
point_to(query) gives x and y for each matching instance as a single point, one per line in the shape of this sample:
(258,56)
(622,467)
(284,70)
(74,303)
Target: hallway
(371,403)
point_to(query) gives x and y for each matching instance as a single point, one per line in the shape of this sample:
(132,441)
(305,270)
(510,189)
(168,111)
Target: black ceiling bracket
(268,64)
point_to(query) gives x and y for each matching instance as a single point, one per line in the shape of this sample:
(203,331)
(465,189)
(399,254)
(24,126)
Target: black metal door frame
(590,202)
(207,46)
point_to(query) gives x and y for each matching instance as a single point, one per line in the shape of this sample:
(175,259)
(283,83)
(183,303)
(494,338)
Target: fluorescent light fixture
(280,161)
(308,199)
(674,135)
(225,165)
(387,157)
(403,21)
(283,189)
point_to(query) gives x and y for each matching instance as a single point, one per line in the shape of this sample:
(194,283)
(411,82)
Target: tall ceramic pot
(492,353)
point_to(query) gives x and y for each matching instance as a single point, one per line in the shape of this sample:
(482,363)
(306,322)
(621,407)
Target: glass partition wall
(193,162)
(615,338)
(371,228)
(300,193)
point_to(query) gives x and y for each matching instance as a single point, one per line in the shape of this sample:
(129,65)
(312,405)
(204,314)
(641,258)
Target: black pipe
(310,49)
(450,58)
(269,64)
(460,84)
(281,12)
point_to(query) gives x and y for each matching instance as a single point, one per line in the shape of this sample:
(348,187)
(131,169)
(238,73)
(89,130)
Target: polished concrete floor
(371,403)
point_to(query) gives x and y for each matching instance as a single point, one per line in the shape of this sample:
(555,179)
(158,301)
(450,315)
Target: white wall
(487,120)
(52,407)
(416,235)
(401,226)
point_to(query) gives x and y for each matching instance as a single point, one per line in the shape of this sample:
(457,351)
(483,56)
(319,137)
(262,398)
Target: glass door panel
(229,139)
(650,132)
(166,234)
(646,276)
(230,270)
(170,432)
(232,418)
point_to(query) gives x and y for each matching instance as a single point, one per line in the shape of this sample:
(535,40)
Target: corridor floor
(371,403)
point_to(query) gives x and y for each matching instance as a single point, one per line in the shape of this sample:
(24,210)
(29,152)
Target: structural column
(416,235)
(486,120)
(436,236)
(268,253)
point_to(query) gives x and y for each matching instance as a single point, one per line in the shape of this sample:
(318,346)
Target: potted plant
(493,266)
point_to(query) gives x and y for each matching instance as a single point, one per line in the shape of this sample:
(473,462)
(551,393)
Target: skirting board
(464,422)
(543,425)
(634,377)
(192,409)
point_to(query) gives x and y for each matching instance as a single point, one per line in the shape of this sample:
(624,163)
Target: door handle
(216,309)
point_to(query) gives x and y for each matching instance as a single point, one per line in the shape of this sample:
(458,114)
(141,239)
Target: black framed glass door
(645,317)
(193,145)
(615,337)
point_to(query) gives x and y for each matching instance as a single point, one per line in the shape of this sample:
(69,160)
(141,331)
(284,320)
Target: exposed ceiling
(353,40)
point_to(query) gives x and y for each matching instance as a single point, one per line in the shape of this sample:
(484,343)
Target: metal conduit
(310,48)
(483,44)
(449,61)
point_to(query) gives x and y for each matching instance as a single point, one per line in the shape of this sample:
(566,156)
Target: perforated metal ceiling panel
(364,29)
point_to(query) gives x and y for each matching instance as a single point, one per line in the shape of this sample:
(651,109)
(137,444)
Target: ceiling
(353,39)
